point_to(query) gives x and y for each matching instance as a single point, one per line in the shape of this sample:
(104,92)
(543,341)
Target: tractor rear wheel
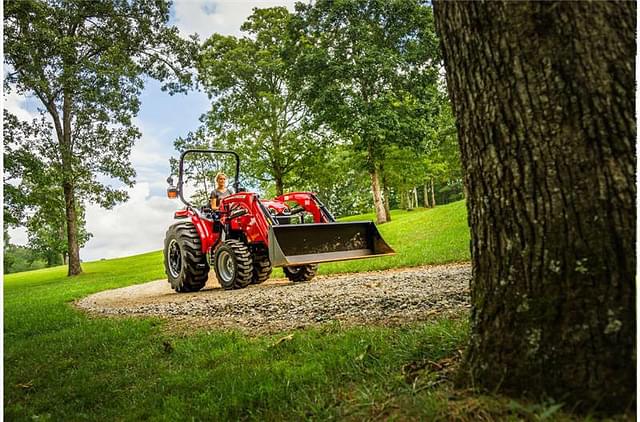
(261,269)
(233,264)
(300,273)
(184,263)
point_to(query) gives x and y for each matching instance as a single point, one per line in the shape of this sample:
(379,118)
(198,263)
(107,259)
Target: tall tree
(544,98)
(84,62)
(33,194)
(254,110)
(369,69)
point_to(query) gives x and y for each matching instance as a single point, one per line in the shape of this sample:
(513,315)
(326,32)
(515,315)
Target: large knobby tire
(261,269)
(300,273)
(184,263)
(233,264)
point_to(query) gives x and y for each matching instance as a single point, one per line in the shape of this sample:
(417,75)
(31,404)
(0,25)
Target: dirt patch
(382,297)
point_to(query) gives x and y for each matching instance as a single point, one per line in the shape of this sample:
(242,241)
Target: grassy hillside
(60,364)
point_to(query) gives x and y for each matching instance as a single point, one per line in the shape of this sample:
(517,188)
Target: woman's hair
(220,174)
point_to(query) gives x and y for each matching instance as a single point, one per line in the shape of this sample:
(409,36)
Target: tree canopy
(254,109)
(369,69)
(84,61)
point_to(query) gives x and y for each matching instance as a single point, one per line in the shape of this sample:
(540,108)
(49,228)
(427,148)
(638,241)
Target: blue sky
(139,224)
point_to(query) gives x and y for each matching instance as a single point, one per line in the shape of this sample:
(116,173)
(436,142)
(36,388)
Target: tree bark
(386,194)
(375,187)
(279,185)
(278,177)
(426,196)
(377,197)
(68,189)
(433,194)
(387,209)
(72,230)
(544,98)
(409,199)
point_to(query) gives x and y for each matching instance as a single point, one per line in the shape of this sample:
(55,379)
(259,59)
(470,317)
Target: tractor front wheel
(300,273)
(233,264)
(261,269)
(184,263)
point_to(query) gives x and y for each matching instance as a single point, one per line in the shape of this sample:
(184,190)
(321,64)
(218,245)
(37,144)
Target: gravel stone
(389,297)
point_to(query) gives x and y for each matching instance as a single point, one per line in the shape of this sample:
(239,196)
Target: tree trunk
(277,161)
(409,200)
(377,197)
(426,196)
(415,197)
(375,187)
(544,99)
(278,177)
(279,186)
(433,194)
(68,189)
(387,209)
(385,188)
(72,231)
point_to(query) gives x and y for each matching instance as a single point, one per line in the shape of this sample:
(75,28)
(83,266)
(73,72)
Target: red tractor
(248,236)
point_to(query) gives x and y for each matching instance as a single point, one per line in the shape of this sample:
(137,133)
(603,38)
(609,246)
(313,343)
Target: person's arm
(213,201)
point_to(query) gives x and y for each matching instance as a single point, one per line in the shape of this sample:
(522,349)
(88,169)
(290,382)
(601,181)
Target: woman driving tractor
(220,191)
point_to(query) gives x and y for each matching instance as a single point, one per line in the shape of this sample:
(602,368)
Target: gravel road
(388,297)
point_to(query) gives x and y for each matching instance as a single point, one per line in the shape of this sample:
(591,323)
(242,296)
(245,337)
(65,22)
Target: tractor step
(302,244)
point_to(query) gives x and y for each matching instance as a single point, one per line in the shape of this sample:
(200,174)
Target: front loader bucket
(300,244)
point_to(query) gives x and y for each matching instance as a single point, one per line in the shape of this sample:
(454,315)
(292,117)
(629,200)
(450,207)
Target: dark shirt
(219,195)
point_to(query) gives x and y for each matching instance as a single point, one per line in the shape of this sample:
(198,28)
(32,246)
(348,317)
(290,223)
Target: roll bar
(236,184)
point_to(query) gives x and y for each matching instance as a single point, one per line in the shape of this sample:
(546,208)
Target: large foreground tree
(84,62)
(544,99)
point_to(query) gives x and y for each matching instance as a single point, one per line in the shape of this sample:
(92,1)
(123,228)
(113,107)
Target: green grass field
(62,365)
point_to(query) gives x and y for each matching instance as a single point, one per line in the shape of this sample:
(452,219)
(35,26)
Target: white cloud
(220,16)
(18,236)
(150,156)
(133,227)
(149,151)
(18,105)
(139,224)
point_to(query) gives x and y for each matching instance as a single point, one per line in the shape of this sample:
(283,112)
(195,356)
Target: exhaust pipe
(301,244)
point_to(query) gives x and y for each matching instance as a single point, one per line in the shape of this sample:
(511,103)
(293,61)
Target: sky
(139,225)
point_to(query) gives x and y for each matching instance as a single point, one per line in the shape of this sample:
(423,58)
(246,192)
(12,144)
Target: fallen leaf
(282,340)
(26,386)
